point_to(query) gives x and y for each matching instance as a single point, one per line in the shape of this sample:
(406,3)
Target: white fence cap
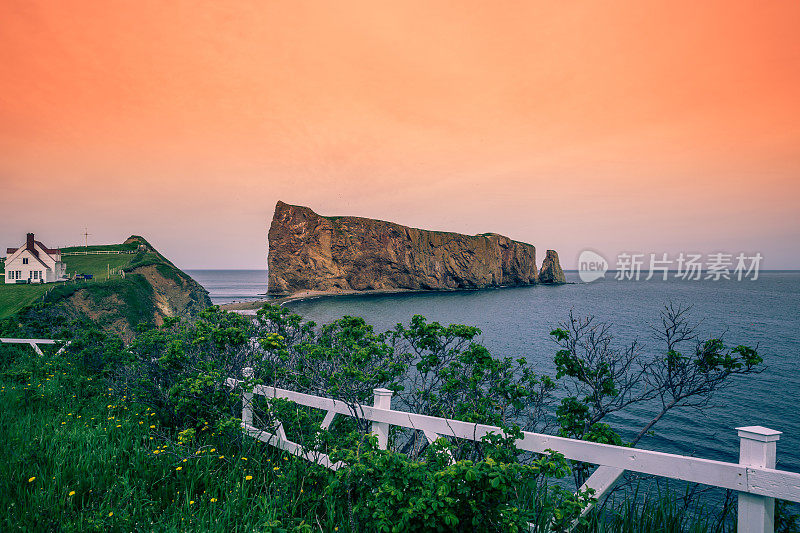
(759,433)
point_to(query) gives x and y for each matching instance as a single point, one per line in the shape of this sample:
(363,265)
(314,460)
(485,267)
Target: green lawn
(15,297)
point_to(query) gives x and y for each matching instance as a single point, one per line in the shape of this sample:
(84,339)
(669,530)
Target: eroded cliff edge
(313,253)
(151,290)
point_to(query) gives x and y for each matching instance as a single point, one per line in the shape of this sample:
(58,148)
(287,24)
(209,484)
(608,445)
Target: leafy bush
(179,370)
(389,492)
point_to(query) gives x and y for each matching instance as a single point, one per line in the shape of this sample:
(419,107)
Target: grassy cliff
(137,285)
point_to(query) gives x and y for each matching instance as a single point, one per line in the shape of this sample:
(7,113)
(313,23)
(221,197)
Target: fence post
(383,400)
(757,447)
(247,400)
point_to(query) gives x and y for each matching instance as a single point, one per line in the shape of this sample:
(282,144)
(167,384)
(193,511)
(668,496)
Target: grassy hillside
(13,298)
(140,285)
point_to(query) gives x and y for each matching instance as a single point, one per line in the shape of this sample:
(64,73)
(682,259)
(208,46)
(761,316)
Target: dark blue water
(516,322)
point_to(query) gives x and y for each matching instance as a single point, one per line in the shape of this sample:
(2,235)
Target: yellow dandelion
(111,513)
(213,500)
(71,493)
(276,468)
(244,458)
(179,468)
(31,480)
(222,457)
(213,450)
(152,427)
(191,502)
(248,478)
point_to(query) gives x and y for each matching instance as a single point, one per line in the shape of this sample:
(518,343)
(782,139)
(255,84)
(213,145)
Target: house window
(24,260)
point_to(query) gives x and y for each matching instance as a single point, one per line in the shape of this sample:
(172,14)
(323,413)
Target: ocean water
(226,286)
(516,322)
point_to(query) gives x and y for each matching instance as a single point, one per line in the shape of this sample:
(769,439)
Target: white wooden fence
(34,343)
(754,476)
(99,252)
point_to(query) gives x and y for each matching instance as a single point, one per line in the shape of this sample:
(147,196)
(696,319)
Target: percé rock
(551,269)
(309,252)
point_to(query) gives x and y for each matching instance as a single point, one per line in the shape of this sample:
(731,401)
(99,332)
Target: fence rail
(34,343)
(99,252)
(754,476)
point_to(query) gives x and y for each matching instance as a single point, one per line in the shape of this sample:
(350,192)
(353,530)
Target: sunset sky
(639,126)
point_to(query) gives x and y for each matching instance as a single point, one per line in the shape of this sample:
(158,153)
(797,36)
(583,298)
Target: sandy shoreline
(308,295)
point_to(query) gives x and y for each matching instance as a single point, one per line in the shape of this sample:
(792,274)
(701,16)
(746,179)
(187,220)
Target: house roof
(41,262)
(31,246)
(14,250)
(51,251)
(35,256)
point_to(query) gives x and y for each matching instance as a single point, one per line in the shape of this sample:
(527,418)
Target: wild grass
(77,458)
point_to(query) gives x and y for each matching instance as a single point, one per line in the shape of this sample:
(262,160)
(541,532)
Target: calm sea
(516,322)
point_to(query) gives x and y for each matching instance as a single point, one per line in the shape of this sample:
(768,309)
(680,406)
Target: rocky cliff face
(551,272)
(309,252)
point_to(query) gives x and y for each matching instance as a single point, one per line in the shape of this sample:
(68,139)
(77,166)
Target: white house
(34,263)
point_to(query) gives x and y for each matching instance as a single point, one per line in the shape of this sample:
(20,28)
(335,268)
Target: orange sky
(641,126)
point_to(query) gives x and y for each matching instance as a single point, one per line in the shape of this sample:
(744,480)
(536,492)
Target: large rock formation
(551,272)
(309,252)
